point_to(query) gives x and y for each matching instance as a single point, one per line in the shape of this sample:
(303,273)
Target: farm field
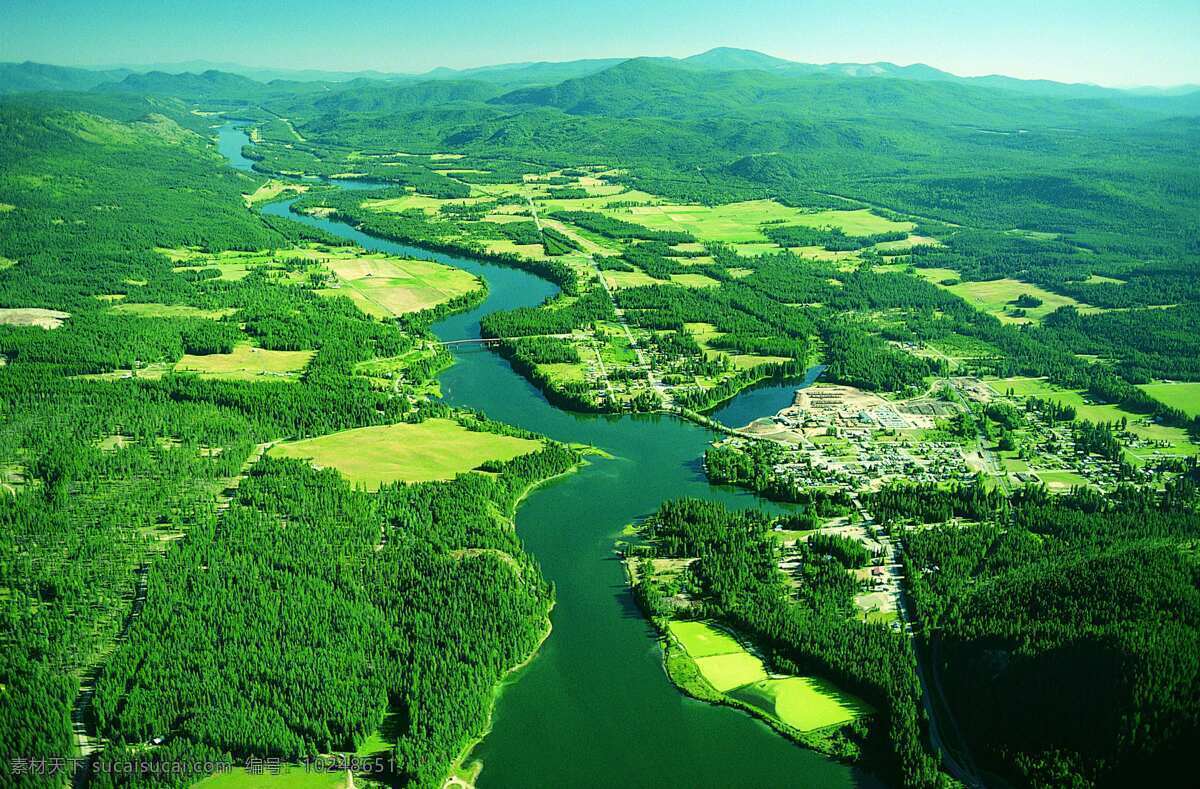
(1176,437)
(741,222)
(289,777)
(804,703)
(387,286)
(246,363)
(436,449)
(154,310)
(729,671)
(701,639)
(997,296)
(1185,395)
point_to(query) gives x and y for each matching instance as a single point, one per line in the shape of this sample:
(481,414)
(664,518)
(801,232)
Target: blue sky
(1105,41)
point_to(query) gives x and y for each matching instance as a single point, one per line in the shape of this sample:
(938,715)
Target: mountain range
(28,76)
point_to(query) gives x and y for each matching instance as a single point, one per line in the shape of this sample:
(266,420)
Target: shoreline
(455,775)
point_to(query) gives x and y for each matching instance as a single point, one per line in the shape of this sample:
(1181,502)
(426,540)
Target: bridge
(486,341)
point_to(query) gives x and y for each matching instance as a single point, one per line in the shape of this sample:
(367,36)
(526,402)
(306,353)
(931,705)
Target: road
(961,767)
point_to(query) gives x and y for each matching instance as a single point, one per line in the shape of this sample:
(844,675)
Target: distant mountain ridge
(28,76)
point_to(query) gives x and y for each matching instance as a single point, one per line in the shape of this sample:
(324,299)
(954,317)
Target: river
(595,707)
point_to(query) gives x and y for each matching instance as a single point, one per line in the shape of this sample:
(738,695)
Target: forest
(146,541)
(172,590)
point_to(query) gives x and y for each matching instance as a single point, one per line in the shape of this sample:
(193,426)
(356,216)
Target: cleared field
(1184,396)
(703,640)
(1175,437)
(804,703)
(861,222)
(1061,480)
(726,672)
(388,286)
(429,205)
(32,316)
(271,190)
(733,222)
(565,372)
(288,777)
(997,296)
(246,363)
(154,310)
(436,449)
(704,333)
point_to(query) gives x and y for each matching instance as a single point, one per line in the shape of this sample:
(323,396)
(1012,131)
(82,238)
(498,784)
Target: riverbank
(599,670)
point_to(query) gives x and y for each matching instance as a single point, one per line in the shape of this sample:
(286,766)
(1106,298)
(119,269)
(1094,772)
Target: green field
(804,703)
(702,640)
(288,777)
(247,363)
(389,286)
(853,223)
(436,449)
(726,672)
(996,296)
(1177,437)
(153,310)
(732,222)
(742,222)
(1184,396)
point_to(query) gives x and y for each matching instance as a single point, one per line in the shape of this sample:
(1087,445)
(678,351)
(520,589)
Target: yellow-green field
(288,777)
(742,222)
(1184,396)
(1176,437)
(701,639)
(387,286)
(726,672)
(154,310)
(436,449)
(804,703)
(861,222)
(705,333)
(429,205)
(246,363)
(996,296)
(271,190)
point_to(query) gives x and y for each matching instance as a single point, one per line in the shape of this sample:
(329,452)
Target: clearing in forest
(32,316)
(999,296)
(1184,396)
(246,363)
(387,286)
(804,703)
(741,223)
(436,449)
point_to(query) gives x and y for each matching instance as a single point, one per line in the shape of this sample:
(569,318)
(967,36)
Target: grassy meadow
(803,703)
(436,449)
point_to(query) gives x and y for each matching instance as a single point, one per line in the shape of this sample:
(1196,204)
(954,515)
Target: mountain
(207,85)
(258,73)
(370,96)
(27,77)
(730,59)
(654,88)
(514,75)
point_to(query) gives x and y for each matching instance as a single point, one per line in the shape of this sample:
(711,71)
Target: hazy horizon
(1104,42)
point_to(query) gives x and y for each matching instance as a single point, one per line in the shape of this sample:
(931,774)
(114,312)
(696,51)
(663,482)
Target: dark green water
(595,707)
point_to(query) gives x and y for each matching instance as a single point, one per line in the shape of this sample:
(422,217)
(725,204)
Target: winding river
(595,707)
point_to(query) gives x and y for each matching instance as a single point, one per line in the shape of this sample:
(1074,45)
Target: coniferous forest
(937,335)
